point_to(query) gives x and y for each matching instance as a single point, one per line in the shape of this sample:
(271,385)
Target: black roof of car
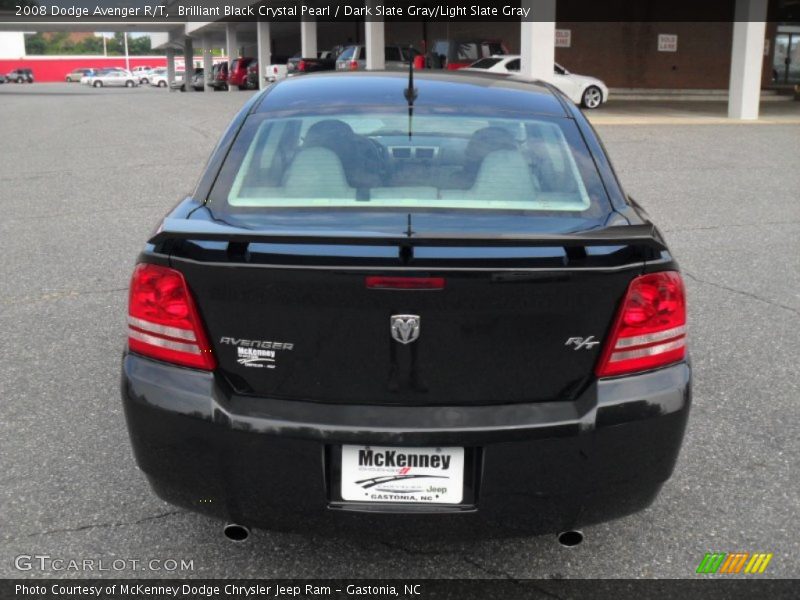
(447,90)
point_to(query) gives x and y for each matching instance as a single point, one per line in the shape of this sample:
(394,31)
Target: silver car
(115,79)
(354,58)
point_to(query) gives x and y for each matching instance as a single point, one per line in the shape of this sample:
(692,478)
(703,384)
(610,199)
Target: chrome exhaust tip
(570,539)
(235,532)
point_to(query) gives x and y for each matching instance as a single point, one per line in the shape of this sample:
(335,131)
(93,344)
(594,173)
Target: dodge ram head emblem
(405,328)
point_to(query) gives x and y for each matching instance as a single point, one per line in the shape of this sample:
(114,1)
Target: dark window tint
(485,63)
(490,48)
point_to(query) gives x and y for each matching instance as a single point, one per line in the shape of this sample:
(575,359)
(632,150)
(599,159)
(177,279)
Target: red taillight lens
(650,330)
(163,322)
(405,283)
(301,66)
(354,65)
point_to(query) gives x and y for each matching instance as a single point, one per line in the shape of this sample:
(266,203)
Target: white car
(142,74)
(275,72)
(115,78)
(158,78)
(583,90)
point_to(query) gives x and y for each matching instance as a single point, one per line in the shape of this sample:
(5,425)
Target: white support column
(231,48)
(538,40)
(747,59)
(264,41)
(308,39)
(208,60)
(170,67)
(188,63)
(374,44)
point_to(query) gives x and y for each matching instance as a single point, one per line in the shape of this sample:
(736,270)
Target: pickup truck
(277,70)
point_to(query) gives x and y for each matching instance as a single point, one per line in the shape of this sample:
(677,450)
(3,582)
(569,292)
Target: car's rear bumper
(538,467)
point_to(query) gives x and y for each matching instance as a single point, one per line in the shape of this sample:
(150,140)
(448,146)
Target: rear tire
(145,81)
(98,84)
(129,84)
(20,80)
(162,84)
(69,79)
(592,97)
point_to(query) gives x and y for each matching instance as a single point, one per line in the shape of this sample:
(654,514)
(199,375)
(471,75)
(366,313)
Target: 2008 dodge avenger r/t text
(407,301)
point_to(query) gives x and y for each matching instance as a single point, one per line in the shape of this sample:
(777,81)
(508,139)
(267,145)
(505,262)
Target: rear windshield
(369,161)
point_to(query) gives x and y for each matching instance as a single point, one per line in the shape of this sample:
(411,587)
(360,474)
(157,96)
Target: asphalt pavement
(86,174)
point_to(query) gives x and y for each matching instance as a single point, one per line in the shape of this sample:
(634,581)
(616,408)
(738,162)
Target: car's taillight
(163,322)
(301,66)
(650,329)
(376,282)
(354,65)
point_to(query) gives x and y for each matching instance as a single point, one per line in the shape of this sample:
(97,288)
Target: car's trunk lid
(521,316)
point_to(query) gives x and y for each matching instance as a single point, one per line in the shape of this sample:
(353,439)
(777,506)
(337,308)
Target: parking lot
(86,174)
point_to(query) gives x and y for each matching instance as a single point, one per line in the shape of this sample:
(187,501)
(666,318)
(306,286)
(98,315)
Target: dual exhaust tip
(239,533)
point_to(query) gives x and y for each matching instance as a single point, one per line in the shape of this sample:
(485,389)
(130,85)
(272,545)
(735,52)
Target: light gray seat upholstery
(504,175)
(316,173)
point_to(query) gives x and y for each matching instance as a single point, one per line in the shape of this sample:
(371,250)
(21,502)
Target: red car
(237,75)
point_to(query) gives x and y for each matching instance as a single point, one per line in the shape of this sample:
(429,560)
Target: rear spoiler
(174,230)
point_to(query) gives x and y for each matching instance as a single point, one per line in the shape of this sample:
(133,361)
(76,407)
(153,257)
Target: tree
(35,44)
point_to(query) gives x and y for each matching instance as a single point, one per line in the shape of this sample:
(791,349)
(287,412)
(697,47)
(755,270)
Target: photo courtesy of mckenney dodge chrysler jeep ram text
(407,301)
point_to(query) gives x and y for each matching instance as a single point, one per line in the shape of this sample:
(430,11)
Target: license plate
(402,475)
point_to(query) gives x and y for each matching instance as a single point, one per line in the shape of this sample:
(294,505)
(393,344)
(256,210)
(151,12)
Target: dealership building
(737,49)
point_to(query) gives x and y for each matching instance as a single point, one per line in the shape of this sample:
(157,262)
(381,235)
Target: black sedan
(396,302)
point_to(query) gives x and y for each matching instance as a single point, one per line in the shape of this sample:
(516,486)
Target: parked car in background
(2,78)
(21,75)
(142,74)
(197,81)
(586,91)
(354,58)
(251,81)
(89,78)
(158,77)
(237,75)
(219,77)
(455,54)
(76,75)
(115,78)
(177,81)
(324,61)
